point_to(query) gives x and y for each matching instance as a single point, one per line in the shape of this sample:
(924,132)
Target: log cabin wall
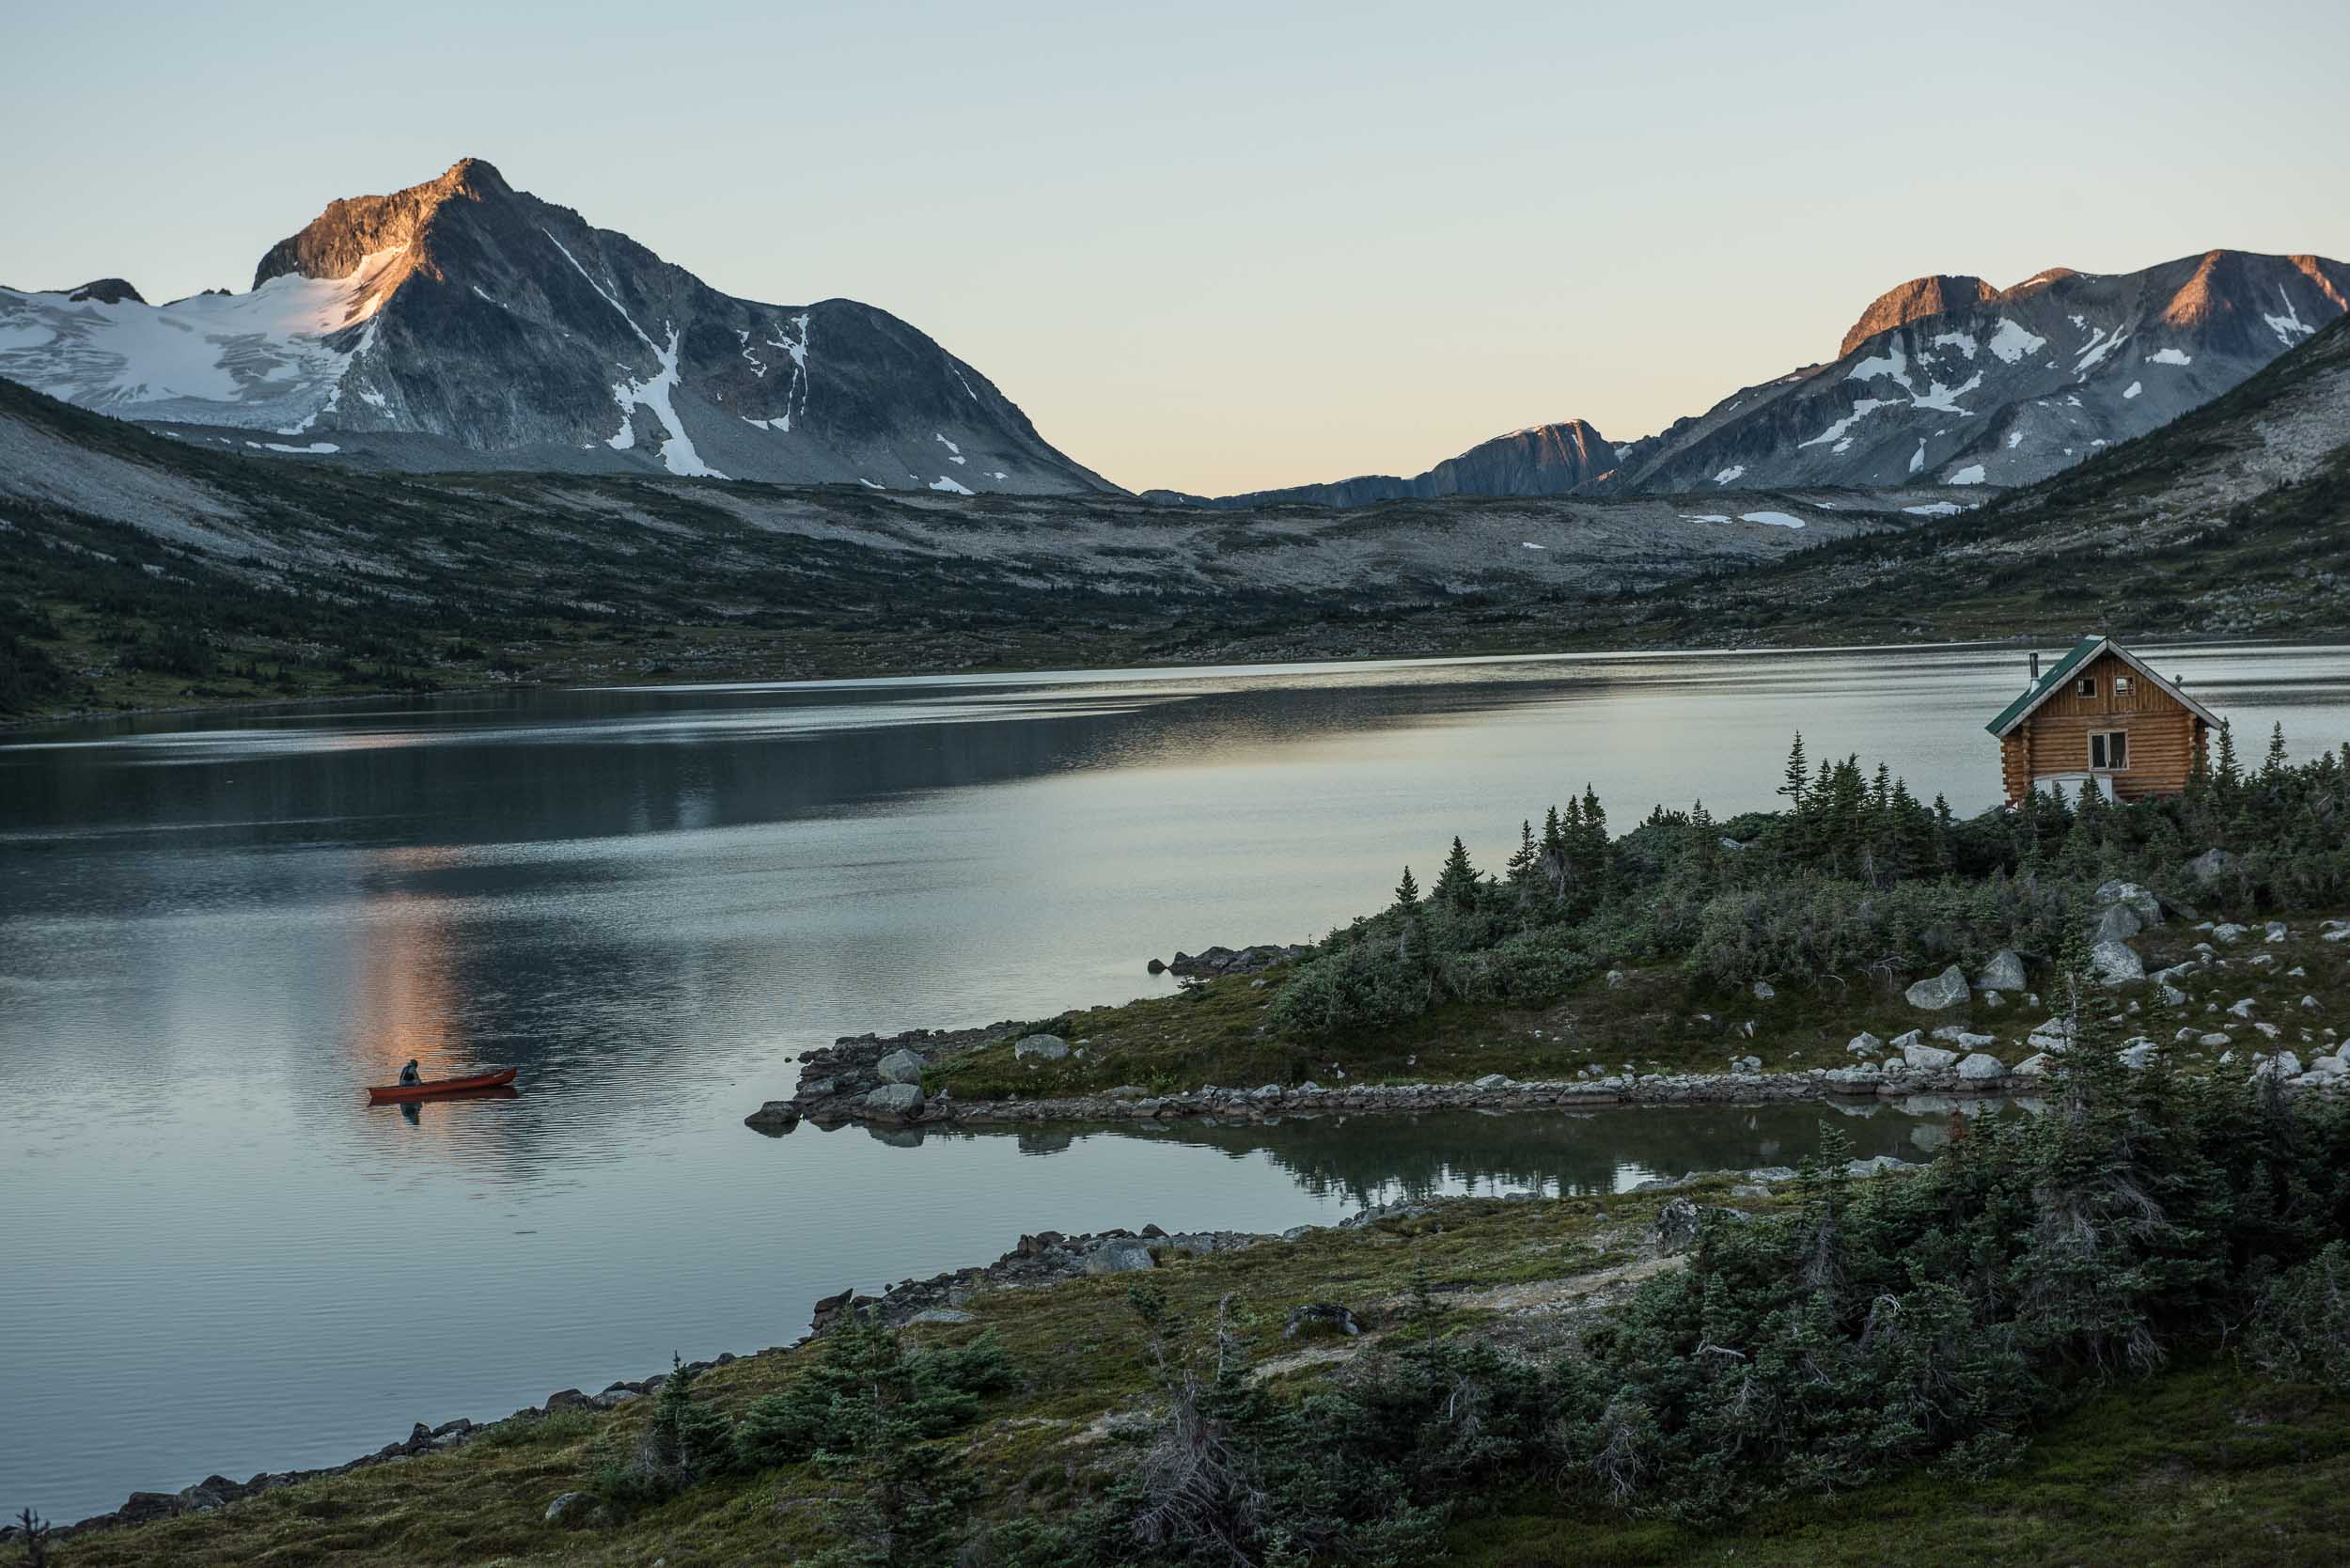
(2166,738)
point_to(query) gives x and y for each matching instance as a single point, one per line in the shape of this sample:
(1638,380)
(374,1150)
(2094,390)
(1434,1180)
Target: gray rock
(2210,864)
(1321,1317)
(895,1099)
(1493,1080)
(1904,1042)
(2117,962)
(1928,1059)
(1866,1046)
(943,1315)
(2130,896)
(1120,1256)
(1947,989)
(1764,991)
(899,1067)
(2138,1055)
(1040,1047)
(1981,1066)
(2033,1066)
(2119,923)
(2005,972)
(1676,1227)
(571,1507)
(2229,935)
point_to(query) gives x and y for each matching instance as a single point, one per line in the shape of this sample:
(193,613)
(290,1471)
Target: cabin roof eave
(2082,652)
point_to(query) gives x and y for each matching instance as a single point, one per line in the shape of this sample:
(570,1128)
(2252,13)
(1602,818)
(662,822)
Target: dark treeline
(1853,876)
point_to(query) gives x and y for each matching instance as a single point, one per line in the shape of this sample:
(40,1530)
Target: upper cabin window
(2109,751)
(2085,686)
(2121,685)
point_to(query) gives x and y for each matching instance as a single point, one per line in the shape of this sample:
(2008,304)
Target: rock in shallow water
(895,1100)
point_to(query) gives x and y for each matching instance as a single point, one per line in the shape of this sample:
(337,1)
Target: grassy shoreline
(2203,1465)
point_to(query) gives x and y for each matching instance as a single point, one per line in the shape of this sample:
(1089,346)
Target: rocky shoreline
(1042,1258)
(877,1079)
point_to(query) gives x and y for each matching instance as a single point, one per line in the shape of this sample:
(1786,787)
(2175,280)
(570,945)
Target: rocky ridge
(1565,459)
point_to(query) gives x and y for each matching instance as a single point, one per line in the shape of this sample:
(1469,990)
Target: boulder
(2117,962)
(2130,896)
(567,1399)
(943,1315)
(1122,1256)
(1040,1047)
(2118,923)
(1928,1059)
(1961,1039)
(899,1067)
(2034,1066)
(1764,991)
(1676,1227)
(1321,1317)
(2005,972)
(1947,989)
(2211,864)
(1493,1080)
(1867,1047)
(2229,933)
(571,1507)
(901,1100)
(2138,1055)
(1981,1066)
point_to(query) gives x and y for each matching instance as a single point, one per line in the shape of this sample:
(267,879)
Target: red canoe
(386,1093)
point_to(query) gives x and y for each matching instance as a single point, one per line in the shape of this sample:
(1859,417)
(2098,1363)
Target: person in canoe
(409,1074)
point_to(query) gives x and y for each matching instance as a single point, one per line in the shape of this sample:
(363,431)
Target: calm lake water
(216,928)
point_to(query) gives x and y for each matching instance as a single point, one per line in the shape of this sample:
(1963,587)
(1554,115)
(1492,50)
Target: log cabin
(2101,712)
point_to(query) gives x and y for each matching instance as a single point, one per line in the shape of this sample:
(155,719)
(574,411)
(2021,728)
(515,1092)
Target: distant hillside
(139,569)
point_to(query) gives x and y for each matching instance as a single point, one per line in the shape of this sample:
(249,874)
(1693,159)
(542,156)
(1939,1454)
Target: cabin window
(2109,751)
(2085,686)
(2121,685)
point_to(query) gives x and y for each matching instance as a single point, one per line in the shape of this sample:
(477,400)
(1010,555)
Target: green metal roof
(2080,654)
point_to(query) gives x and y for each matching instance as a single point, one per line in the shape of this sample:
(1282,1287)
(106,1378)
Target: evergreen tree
(1525,866)
(2226,775)
(1798,778)
(1456,884)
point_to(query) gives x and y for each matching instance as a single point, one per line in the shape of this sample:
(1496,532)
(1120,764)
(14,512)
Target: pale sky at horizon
(1224,247)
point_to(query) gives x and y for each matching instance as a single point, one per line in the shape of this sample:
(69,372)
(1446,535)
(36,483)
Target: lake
(216,928)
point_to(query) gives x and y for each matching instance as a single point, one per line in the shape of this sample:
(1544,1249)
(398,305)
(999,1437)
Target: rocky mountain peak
(352,229)
(1913,301)
(105,290)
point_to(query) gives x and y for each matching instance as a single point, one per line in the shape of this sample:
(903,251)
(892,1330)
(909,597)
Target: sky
(1220,248)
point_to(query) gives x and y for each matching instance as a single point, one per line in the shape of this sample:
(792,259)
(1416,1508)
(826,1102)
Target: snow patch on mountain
(256,359)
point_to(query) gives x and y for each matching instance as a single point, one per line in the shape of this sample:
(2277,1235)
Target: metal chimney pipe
(2035,667)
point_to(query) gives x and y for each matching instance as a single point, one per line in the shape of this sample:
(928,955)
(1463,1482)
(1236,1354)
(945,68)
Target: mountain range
(1941,380)
(462,324)
(465,324)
